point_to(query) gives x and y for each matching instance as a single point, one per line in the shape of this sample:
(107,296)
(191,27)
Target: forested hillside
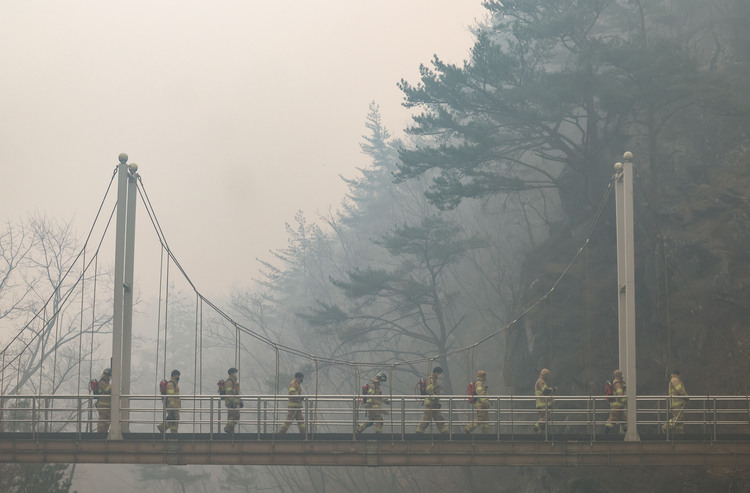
(456,230)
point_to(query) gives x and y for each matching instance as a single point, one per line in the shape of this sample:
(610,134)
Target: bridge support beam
(123,297)
(626,285)
(382,453)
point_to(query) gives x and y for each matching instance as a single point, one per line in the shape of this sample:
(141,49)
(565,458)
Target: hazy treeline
(428,253)
(457,226)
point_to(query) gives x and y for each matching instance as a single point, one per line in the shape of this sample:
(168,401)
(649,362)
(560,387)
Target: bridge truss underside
(373,452)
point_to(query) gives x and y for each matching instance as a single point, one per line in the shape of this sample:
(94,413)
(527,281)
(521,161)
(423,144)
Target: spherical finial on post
(628,156)
(133,167)
(123,158)
(618,167)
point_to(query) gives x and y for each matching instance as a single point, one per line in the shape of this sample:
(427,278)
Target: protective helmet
(481,374)
(618,373)
(107,372)
(299,374)
(544,373)
(175,373)
(380,377)
(231,370)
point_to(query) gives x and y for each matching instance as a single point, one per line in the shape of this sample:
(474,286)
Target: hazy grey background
(239,113)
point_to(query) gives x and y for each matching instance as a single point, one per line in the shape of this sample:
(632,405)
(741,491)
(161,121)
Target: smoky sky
(238,113)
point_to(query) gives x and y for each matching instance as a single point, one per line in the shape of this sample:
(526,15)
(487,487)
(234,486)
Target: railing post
(355,413)
(592,407)
(211,417)
(164,416)
(33,416)
(218,417)
(305,417)
(46,413)
(715,437)
(497,417)
(450,418)
(273,416)
(79,406)
(89,414)
(403,418)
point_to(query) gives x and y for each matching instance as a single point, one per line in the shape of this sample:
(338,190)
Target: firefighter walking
(173,404)
(294,405)
(617,404)
(544,399)
(678,398)
(374,404)
(481,404)
(432,404)
(231,402)
(104,402)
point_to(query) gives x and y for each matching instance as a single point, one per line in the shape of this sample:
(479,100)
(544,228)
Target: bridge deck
(372,450)
(57,428)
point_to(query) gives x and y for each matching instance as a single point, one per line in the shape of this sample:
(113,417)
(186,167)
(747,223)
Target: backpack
(609,390)
(163,387)
(220,384)
(94,386)
(365,391)
(421,387)
(471,390)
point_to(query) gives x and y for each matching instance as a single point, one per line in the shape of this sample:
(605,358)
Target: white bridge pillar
(626,286)
(122,321)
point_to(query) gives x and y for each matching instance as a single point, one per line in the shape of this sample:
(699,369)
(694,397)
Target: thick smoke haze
(238,113)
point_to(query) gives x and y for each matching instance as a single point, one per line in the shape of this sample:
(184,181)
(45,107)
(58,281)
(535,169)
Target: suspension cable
(80,330)
(58,323)
(295,351)
(63,278)
(266,340)
(43,341)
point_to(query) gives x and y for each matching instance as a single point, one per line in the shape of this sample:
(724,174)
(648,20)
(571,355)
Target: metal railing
(509,417)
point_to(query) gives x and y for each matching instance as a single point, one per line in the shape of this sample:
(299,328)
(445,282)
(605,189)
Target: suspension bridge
(61,428)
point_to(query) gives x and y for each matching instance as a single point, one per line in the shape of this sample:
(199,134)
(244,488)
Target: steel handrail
(333,413)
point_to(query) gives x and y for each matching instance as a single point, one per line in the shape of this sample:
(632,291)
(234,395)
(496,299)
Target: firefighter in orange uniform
(432,404)
(294,405)
(481,404)
(617,404)
(678,398)
(173,404)
(374,403)
(544,399)
(104,404)
(231,402)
